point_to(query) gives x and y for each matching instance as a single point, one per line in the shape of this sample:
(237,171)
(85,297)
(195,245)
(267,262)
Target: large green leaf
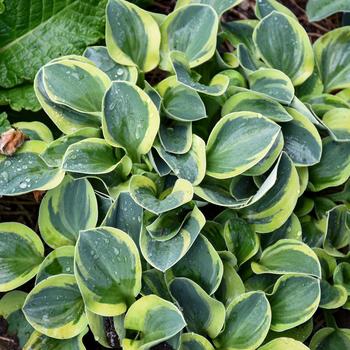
(272,83)
(192,341)
(331,339)
(332,297)
(288,256)
(272,210)
(21,253)
(155,319)
(253,102)
(130,118)
(319,9)
(190,30)
(164,254)
(108,270)
(284,45)
(338,122)
(334,166)
(132,35)
(79,22)
(57,262)
(220,6)
(238,142)
(90,156)
(201,264)
(55,307)
(40,341)
(302,141)
(284,344)
(248,320)
(190,166)
(333,58)
(203,314)
(265,7)
(145,193)
(294,300)
(65,210)
(25,171)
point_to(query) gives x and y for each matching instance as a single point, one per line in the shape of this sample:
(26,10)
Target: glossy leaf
(65,210)
(55,307)
(338,121)
(21,253)
(284,45)
(219,6)
(319,9)
(132,35)
(111,283)
(284,343)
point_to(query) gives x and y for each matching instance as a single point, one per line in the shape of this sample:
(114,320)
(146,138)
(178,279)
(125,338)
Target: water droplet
(23,185)
(5,175)
(116,251)
(120,71)
(7,163)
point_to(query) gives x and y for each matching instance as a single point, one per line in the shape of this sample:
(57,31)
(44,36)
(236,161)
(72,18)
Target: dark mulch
(7,341)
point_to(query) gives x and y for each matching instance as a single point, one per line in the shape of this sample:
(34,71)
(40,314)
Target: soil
(7,341)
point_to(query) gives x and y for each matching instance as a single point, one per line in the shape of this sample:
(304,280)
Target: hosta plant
(198,196)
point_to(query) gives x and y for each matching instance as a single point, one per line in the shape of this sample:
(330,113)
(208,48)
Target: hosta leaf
(323,103)
(55,307)
(76,84)
(130,118)
(97,327)
(332,57)
(190,30)
(272,83)
(337,231)
(57,262)
(189,166)
(168,225)
(288,256)
(328,263)
(273,209)
(40,341)
(330,339)
(291,229)
(144,192)
(180,65)
(54,152)
(332,297)
(334,166)
(284,45)
(153,94)
(90,156)
(201,264)
(302,141)
(35,131)
(338,122)
(65,210)
(238,142)
(175,136)
(341,275)
(180,102)
(155,319)
(284,344)
(132,35)
(240,32)
(11,309)
(248,320)
(241,240)
(253,102)
(265,7)
(25,171)
(21,253)
(164,254)
(153,282)
(112,282)
(192,341)
(204,315)
(294,300)
(214,232)
(125,215)
(220,6)
(231,285)
(319,9)
(158,164)
(101,58)
(79,22)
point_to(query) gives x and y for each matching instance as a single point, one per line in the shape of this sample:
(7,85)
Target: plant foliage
(206,210)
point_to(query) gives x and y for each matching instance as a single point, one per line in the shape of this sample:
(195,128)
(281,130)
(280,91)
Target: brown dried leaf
(10,141)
